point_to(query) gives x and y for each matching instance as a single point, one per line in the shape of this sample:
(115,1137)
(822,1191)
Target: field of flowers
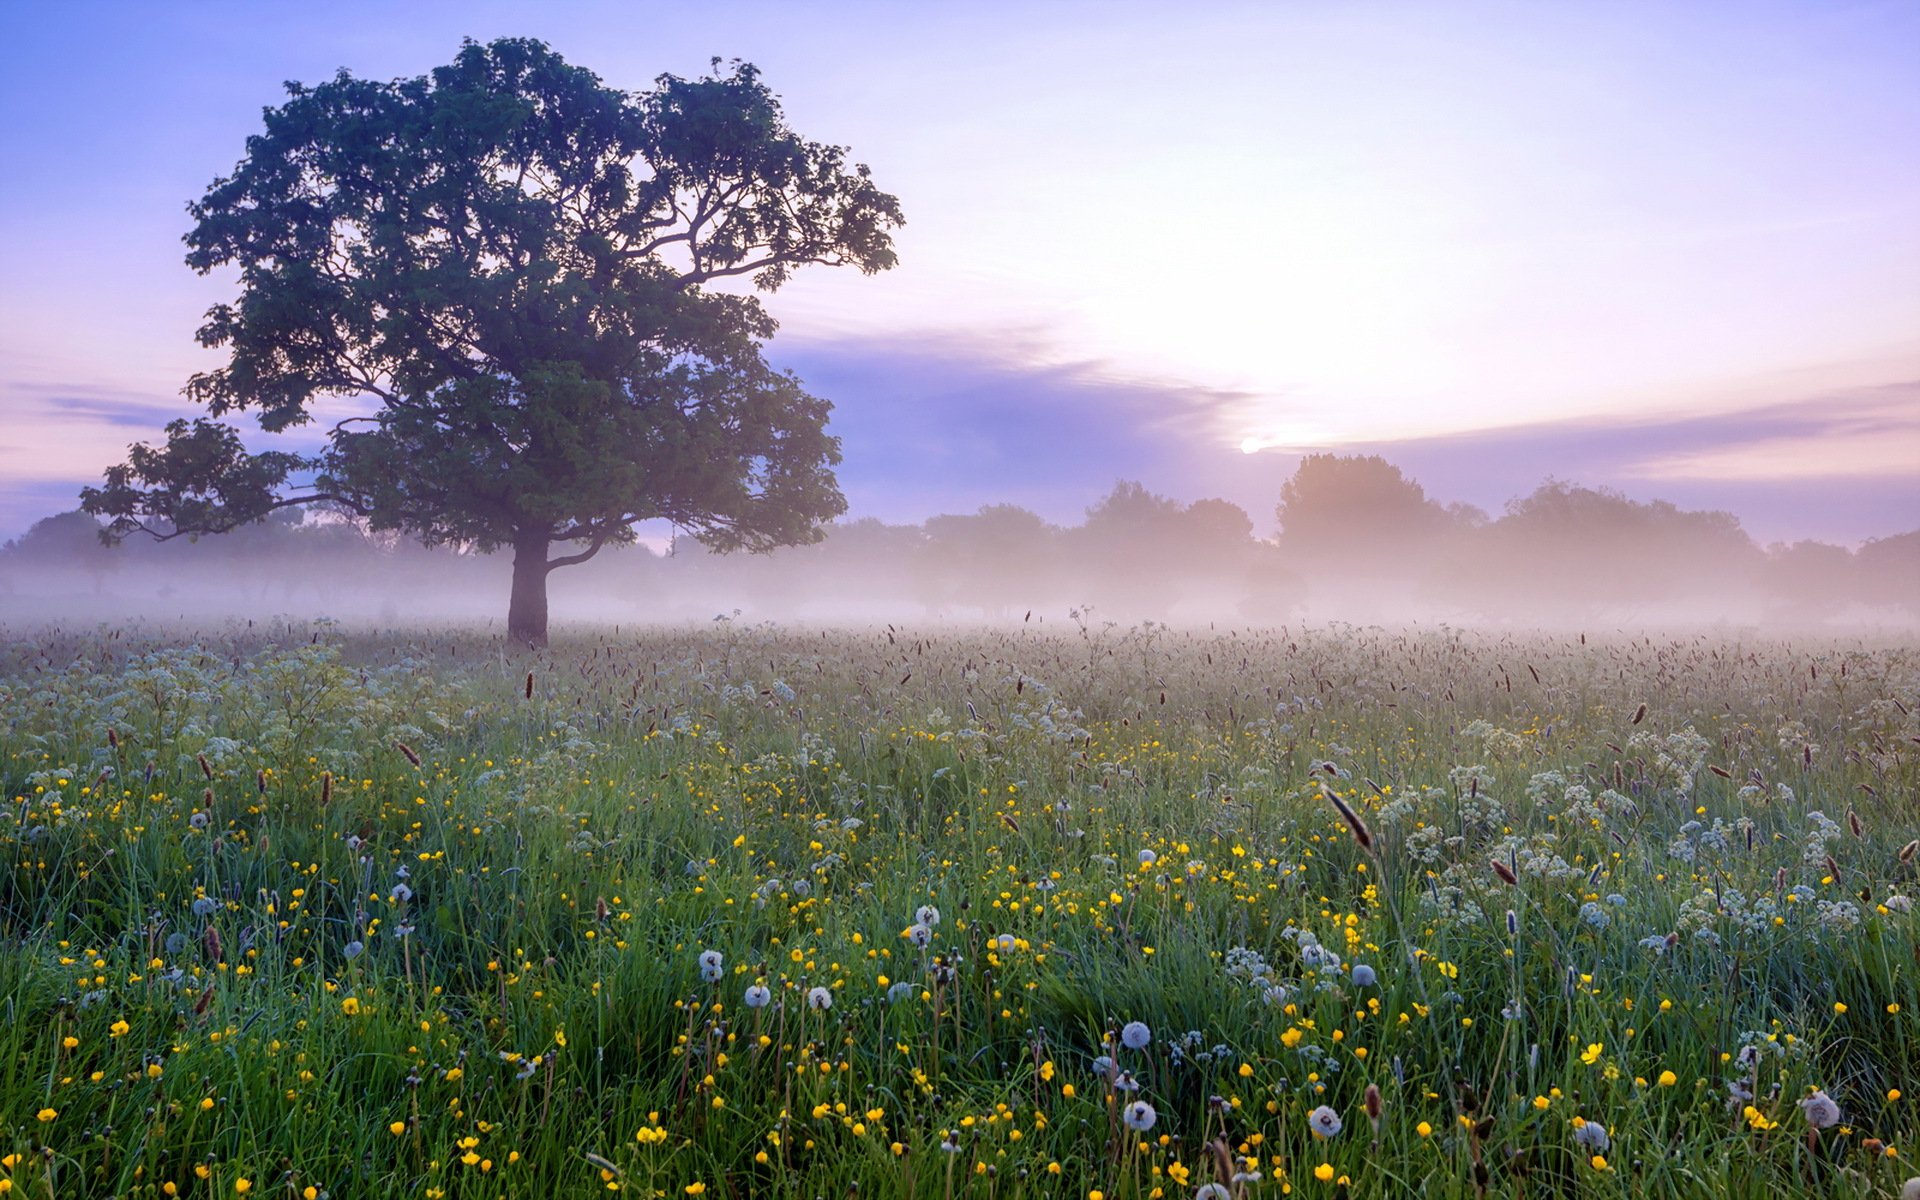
(1103,913)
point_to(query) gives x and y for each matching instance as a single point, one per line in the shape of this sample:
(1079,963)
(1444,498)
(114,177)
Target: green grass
(213,980)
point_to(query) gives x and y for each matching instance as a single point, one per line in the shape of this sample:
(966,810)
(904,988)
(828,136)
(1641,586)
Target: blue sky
(1671,248)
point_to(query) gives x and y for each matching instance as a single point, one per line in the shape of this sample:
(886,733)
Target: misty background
(1353,538)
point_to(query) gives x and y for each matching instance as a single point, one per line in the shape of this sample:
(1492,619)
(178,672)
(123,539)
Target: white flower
(1148,858)
(1363,975)
(401,893)
(1212,1191)
(1135,1035)
(919,934)
(819,999)
(1140,1116)
(710,966)
(1005,943)
(927,915)
(1324,1122)
(758,996)
(1592,1135)
(900,991)
(1821,1111)
(1910,1190)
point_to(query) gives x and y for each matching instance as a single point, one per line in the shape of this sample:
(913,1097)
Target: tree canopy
(531,299)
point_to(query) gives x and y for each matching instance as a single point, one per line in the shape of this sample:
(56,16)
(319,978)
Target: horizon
(1675,254)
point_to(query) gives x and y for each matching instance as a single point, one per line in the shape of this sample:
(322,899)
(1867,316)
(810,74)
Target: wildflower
(1324,1172)
(1140,1116)
(1592,1135)
(47,1114)
(354,949)
(927,915)
(350,1006)
(899,992)
(1135,1035)
(711,970)
(1324,1122)
(400,894)
(1821,1111)
(1212,1191)
(917,933)
(1364,976)
(205,906)
(1668,1079)
(758,996)
(1148,858)
(819,999)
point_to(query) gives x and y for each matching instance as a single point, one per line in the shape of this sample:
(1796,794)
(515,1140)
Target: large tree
(533,297)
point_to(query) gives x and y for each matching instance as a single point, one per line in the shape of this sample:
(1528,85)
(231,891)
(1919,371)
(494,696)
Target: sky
(1672,249)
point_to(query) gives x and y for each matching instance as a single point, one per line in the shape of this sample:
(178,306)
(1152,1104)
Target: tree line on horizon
(1357,540)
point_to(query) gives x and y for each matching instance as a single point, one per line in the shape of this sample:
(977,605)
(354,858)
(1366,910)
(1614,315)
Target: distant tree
(1347,506)
(1889,571)
(526,270)
(68,540)
(1810,580)
(1590,548)
(1358,530)
(1217,535)
(1001,556)
(1130,551)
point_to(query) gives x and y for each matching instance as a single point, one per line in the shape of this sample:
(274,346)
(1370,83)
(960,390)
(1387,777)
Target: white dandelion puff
(1324,1122)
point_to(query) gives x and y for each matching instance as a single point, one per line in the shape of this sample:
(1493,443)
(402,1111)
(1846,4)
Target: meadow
(1089,912)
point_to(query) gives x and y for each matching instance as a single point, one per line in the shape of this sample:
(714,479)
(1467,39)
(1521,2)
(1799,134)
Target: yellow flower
(1668,1079)
(119,1029)
(350,1006)
(1423,1129)
(397,1128)
(1324,1172)
(695,1188)
(242,1185)
(47,1114)
(1593,1052)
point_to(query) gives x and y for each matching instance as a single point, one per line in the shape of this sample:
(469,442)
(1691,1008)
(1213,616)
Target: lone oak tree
(508,273)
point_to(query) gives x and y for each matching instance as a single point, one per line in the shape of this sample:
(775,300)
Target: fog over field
(1357,542)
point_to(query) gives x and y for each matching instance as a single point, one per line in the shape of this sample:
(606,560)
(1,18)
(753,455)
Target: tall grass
(287,912)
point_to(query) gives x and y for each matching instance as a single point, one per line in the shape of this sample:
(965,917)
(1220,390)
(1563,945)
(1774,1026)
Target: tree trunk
(527,607)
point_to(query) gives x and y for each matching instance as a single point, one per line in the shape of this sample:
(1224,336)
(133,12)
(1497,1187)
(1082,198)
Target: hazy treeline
(1357,541)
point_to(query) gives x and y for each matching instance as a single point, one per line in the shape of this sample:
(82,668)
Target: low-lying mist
(1357,543)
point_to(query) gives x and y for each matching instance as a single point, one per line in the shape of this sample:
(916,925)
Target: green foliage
(524,270)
